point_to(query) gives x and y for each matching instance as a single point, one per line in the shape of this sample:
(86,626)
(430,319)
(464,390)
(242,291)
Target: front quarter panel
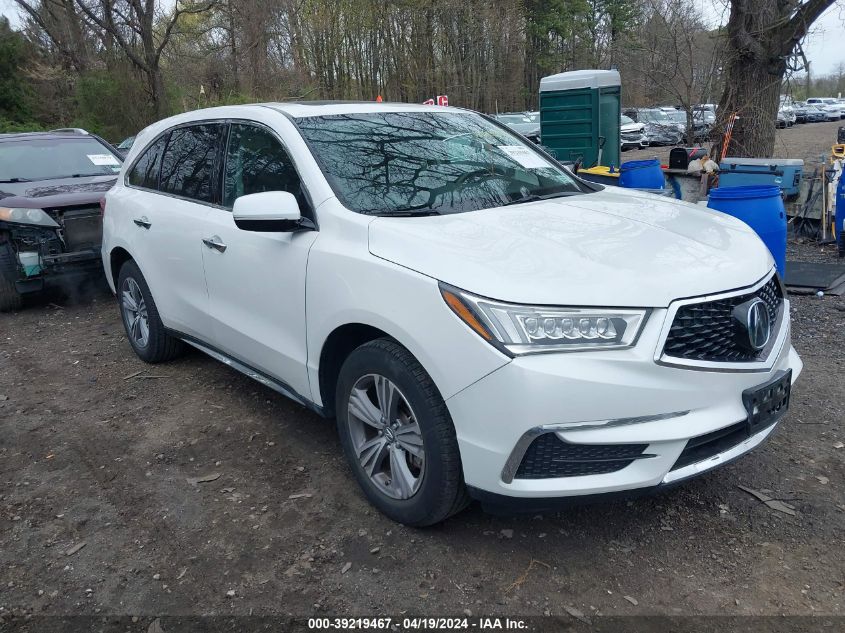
(113,235)
(346,284)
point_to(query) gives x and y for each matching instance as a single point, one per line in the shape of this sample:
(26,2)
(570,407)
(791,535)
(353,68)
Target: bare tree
(142,31)
(60,21)
(674,57)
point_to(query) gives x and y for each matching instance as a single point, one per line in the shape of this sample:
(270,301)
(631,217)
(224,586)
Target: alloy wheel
(135,314)
(386,436)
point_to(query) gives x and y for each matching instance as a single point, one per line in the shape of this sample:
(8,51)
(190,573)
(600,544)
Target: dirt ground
(98,456)
(808,141)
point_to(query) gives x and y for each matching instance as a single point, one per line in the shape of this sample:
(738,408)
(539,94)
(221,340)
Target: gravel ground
(98,515)
(809,141)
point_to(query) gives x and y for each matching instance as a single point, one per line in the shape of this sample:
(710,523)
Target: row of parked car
(813,110)
(667,125)
(640,127)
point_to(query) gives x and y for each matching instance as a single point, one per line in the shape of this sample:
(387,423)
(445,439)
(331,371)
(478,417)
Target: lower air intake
(548,456)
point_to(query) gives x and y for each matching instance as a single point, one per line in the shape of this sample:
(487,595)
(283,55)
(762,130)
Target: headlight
(523,329)
(36,217)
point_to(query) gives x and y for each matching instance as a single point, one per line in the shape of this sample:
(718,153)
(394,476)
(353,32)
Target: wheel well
(337,348)
(117,259)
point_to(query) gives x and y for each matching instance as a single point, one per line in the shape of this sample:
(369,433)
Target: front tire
(398,436)
(10,298)
(141,320)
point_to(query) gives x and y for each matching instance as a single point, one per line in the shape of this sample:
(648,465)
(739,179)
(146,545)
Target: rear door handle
(143,221)
(214,242)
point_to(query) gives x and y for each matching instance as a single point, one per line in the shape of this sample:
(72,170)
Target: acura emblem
(753,317)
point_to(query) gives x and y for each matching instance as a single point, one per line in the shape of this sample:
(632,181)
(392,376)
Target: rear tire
(410,467)
(141,320)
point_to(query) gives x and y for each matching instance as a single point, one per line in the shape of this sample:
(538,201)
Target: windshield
(677,116)
(522,117)
(385,163)
(654,116)
(626,120)
(49,158)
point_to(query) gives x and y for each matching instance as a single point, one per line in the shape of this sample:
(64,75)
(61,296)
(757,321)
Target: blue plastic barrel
(641,174)
(762,209)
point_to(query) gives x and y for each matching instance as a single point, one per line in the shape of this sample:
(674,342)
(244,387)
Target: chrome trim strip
(522,444)
(721,458)
(766,364)
(613,422)
(248,371)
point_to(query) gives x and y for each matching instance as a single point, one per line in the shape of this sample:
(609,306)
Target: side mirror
(269,212)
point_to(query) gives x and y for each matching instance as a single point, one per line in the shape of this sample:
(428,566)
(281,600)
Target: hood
(617,248)
(57,192)
(629,128)
(661,127)
(526,129)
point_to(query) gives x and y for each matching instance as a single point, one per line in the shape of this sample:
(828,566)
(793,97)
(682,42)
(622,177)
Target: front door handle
(143,221)
(214,242)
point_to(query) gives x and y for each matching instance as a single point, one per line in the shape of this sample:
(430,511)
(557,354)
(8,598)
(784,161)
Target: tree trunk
(761,36)
(752,91)
(158,93)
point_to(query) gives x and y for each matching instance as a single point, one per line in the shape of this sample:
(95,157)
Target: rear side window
(187,167)
(255,162)
(145,170)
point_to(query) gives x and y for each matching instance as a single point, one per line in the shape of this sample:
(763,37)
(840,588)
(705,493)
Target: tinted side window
(145,171)
(187,168)
(256,162)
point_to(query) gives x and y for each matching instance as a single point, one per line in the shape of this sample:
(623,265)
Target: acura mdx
(480,322)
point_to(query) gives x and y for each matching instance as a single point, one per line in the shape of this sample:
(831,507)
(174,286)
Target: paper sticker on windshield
(106,160)
(524,156)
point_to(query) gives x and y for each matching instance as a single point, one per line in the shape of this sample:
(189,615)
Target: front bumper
(618,397)
(639,142)
(61,269)
(662,138)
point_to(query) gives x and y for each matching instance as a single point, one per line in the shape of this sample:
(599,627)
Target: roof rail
(71,130)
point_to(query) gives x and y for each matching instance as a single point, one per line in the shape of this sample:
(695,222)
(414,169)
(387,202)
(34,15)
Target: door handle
(142,221)
(215,243)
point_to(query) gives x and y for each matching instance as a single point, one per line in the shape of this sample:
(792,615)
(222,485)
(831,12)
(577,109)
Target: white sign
(104,160)
(524,156)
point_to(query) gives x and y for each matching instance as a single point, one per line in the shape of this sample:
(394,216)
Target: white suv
(480,322)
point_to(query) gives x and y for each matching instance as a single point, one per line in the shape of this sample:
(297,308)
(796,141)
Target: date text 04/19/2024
(418,624)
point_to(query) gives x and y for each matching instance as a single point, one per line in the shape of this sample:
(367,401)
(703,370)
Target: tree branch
(799,25)
(177,13)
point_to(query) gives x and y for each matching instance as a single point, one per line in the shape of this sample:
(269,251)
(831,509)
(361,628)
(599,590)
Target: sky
(823,46)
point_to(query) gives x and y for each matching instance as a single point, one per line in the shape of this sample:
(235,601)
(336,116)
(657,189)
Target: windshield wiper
(535,197)
(16,180)
(405,214)
(86,175)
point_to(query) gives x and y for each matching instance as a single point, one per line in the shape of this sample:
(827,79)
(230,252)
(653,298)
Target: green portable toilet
(577,110)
